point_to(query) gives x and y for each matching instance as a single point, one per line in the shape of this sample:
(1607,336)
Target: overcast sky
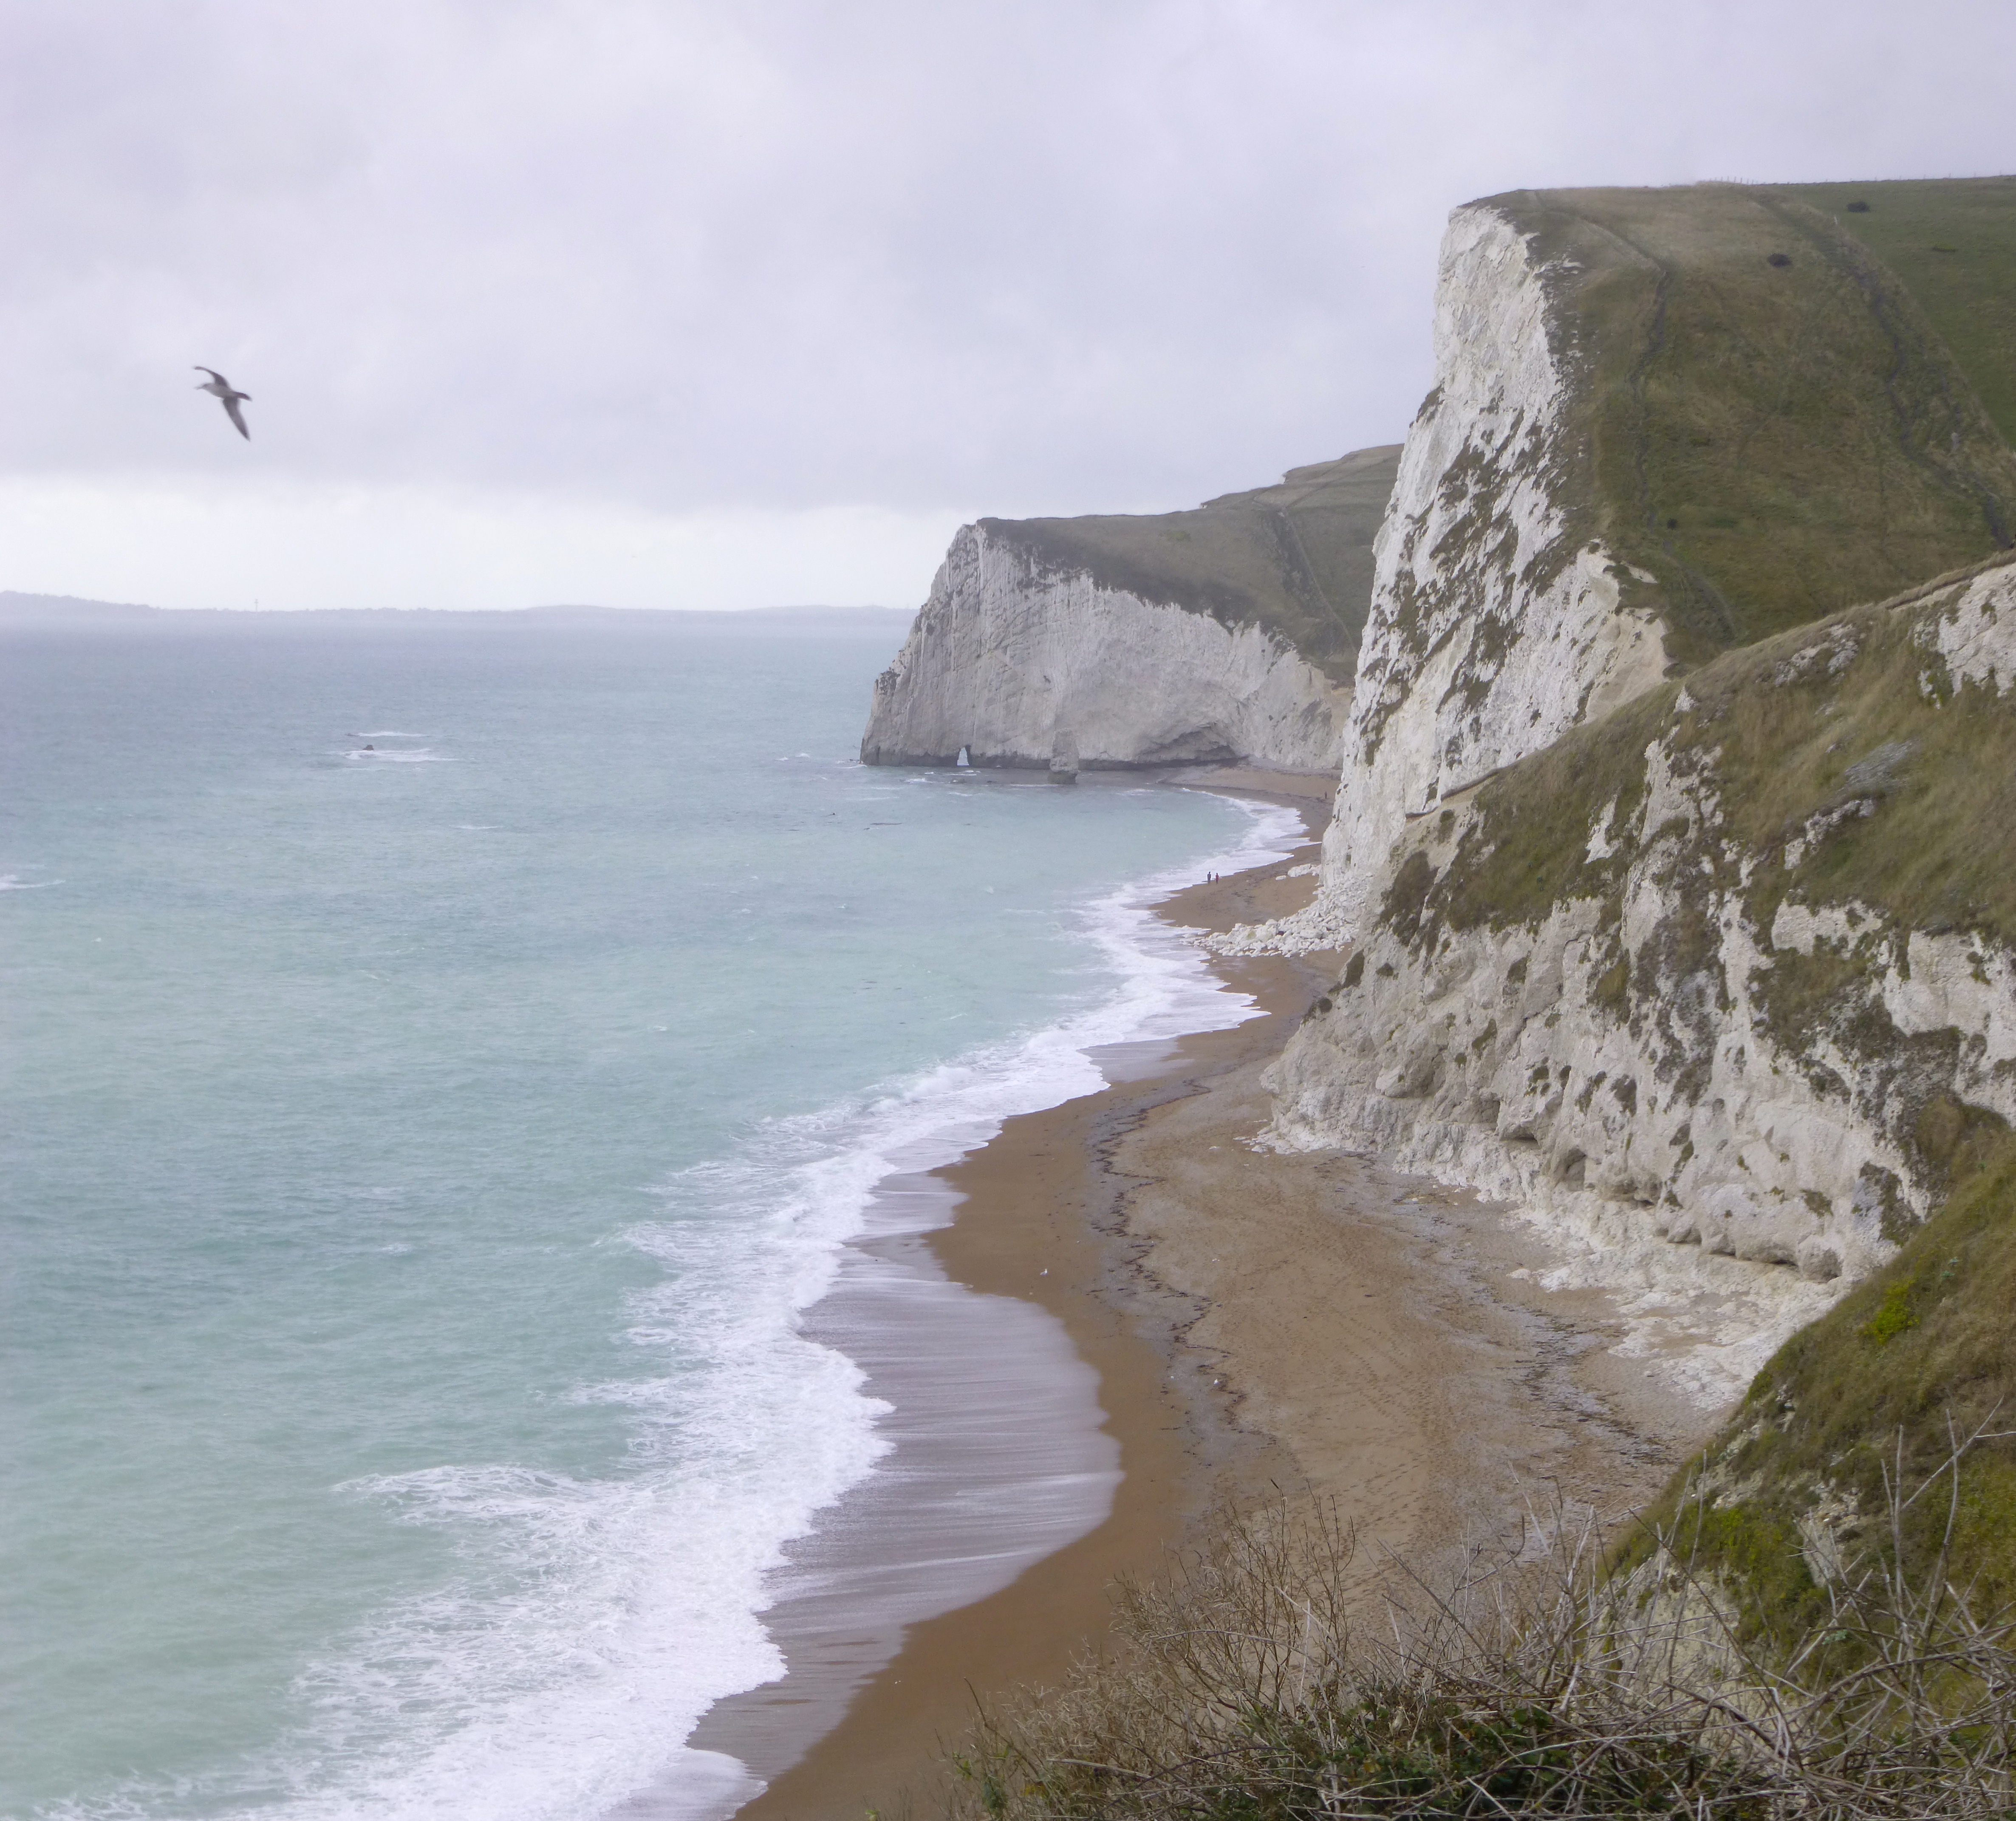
(740,303)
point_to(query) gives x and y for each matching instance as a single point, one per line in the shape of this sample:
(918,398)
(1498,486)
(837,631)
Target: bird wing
(214,374)
(236,416)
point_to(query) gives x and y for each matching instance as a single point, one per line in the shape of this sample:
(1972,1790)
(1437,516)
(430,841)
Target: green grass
(1769,442)
(1295,557)
(1935,853)
(1778,736)
(1880,1384)
(1953,243)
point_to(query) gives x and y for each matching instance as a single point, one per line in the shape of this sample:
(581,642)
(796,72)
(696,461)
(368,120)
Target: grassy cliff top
(1295,557)
(1773,426)
(1952,241)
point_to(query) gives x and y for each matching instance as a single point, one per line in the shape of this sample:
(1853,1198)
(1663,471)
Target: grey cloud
(1033,257)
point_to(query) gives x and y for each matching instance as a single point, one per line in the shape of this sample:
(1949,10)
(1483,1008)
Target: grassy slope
(1879,1386)
(1953,243)
(1769,442)
(1935,855)
(1931,1338)
(1296,557)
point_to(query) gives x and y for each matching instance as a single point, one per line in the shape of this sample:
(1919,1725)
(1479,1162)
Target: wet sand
(1258,1323)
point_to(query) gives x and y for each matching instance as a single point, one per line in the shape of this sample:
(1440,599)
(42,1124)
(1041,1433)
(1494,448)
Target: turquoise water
(417,1163)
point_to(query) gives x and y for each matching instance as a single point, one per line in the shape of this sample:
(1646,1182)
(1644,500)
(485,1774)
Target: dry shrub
(1240,1690)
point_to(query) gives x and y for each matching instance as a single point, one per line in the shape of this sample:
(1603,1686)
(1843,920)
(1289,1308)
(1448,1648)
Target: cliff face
(1227,632)
(1680,889)
(1664,423)
(1495,626)
(1014,662)
(1701,961)
(1728,976)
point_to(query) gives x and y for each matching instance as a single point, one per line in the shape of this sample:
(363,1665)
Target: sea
(450,1322)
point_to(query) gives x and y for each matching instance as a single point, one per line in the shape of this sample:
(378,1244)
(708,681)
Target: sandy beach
(1258,1323)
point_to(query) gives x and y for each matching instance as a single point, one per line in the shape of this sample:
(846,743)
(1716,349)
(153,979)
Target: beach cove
(594,1316)
(1262,1325)
(452,1057)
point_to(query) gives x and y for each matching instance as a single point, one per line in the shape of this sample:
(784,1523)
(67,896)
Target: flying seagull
(220,388)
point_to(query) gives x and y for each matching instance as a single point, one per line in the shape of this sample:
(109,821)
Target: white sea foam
(591,1622)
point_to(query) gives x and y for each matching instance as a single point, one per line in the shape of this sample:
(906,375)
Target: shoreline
(966,1221)
(1258,1323)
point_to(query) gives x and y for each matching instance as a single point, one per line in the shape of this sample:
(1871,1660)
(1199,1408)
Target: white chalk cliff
(1709,1076)
(1495,624)
(1708,1085)
(1604,964)
(1013,660)
(1227,632)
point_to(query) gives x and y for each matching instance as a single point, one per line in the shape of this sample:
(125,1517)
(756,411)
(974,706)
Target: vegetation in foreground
(1817,1621)
(1241,1689)
(1875,1395)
